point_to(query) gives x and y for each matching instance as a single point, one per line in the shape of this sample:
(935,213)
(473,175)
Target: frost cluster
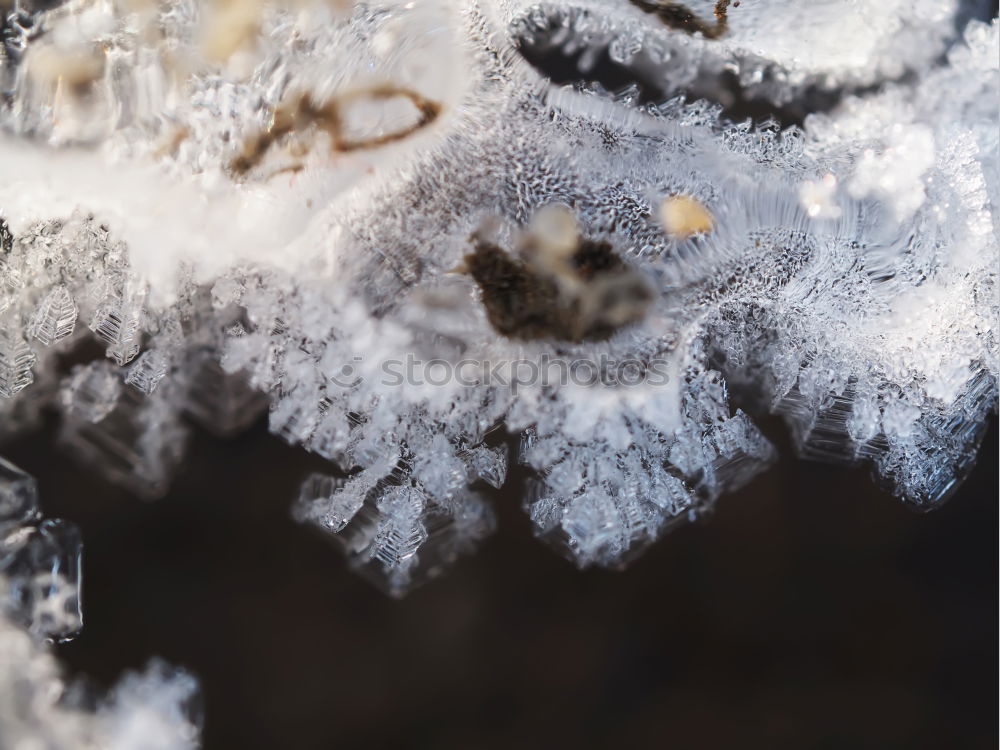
(38,709)
(255,205)
(39,602)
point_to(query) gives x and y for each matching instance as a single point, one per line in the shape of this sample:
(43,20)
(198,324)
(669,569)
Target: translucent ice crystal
(392,528)
(16,361)
(55,317)
(404,225)
(39,561)
(42,566)
(147,371)
(18,496)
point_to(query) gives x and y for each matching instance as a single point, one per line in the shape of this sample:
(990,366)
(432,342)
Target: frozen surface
(287,213)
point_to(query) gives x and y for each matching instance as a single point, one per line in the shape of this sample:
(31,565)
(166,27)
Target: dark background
(812,611)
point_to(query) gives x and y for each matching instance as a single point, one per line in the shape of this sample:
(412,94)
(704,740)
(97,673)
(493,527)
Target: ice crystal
(55,318)
(16,361)
(18,496)
(147,371)
(405,225)
(39,561)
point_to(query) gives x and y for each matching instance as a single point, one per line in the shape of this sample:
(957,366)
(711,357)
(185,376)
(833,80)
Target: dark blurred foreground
(812,611)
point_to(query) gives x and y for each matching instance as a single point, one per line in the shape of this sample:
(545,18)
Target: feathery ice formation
(720,209)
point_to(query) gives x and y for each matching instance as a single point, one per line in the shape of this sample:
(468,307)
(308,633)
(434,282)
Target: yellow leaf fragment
(683,216)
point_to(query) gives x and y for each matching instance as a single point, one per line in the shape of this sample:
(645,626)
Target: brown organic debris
(683,216)
(585,295)
(302,112)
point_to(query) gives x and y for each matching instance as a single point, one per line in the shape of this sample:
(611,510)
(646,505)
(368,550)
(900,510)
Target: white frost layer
(202,222)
